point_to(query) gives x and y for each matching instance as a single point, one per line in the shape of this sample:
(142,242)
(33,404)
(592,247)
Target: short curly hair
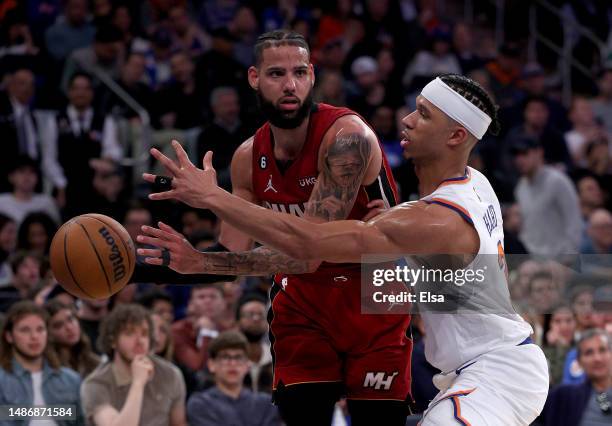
(122,317)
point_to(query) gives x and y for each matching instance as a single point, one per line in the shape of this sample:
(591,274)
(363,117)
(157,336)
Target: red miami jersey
(289,190)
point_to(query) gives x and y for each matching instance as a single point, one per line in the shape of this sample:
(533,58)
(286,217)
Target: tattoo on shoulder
(345,164)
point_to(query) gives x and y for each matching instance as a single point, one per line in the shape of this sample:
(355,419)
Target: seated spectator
(82,133)
(602,105)
(69,342)
(196,221)
(23,199)
(366,91)
(8,244)
(186,34)
(543,295)
(133,387)
(558,338)
(193,334)
(228,403)
(26,276)
(91,313)
(36,233)
(30,372)
(512,229)
(164,346)
(587,403)
(71,30)
(505,71)
(585,128)
(590,194)
(463,46)
(159,302)
(225,133)
(538,126)
(251,315)
(597,244)
(179,105)
(104,55)
(330,88)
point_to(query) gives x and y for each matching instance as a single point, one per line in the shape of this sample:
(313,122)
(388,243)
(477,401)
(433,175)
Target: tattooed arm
(349,155)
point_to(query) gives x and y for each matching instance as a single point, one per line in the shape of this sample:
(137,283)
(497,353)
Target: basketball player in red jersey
(325,164)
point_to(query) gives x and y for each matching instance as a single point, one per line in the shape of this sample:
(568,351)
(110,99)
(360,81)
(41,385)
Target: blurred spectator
(136,216)
(69,342)
(82,133)
(543,292)
(23,200)
(20,126)
(463,46)
(244,29)
(505,71)
(216,14)
(228,402)
(590,194)
(598,160)
(179,105)
(25,267)
(366,92)
(581,299)
(383,123)
(513,223)
(597,243)
(330,88)
(132,80)
(584,129)
(109,190)
(187,36)
(16,43)
(196,221)
(102,11)
(91,313)
(71,30)
(158,58)
(30,371)
(333,23)
(548,202)
(251,315)
(193,334)
(602,105)
(437,59)
(225,133)
(587,403)
(164,346)
(537,125)
(104,56)
(282,14)
(8,244)
(558,338)
(36,232)
(159,303)
(134,387)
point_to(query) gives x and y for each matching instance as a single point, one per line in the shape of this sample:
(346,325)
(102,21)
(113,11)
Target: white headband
(457,107)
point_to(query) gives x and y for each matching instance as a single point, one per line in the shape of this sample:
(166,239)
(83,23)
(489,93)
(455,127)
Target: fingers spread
(183,159)
(169,229)
(166,162)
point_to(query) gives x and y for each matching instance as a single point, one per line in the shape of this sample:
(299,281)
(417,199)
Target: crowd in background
(69,137)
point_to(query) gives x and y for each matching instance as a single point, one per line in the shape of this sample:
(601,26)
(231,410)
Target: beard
(284,119)
(28,356)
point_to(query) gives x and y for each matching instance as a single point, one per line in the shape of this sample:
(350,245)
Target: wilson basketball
(92,256)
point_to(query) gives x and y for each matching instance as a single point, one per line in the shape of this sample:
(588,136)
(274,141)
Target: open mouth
(405,140)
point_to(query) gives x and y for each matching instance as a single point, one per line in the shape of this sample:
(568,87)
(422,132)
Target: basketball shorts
(318,334)
(506,387)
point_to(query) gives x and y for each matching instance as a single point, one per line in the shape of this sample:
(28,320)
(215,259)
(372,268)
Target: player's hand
(376,207)
(189,184)
(183,258)
(142,369)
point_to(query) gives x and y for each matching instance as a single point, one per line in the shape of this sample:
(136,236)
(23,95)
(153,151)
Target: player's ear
(253,75)
(458,136)
(312,74)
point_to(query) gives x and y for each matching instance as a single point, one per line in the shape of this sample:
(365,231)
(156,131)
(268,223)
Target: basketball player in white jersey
(491,372)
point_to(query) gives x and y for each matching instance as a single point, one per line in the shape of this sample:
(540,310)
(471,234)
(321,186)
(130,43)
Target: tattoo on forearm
(345,164)
(260,261)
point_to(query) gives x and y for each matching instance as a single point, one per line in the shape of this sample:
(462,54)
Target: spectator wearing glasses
(590,402)
(228,402)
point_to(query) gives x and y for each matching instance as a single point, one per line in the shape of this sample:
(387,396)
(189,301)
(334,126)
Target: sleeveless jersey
(489,321)
(289,190)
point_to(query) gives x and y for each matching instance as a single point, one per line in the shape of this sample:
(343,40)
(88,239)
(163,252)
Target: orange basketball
(92,256)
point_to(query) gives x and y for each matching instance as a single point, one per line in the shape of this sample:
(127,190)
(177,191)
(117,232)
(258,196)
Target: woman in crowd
(70,343)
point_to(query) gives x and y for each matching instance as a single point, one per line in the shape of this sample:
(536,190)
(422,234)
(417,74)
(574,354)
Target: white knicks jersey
(483,319)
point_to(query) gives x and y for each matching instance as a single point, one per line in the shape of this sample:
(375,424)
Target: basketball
(92,256)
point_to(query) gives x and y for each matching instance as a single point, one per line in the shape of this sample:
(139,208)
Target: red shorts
(318,334)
